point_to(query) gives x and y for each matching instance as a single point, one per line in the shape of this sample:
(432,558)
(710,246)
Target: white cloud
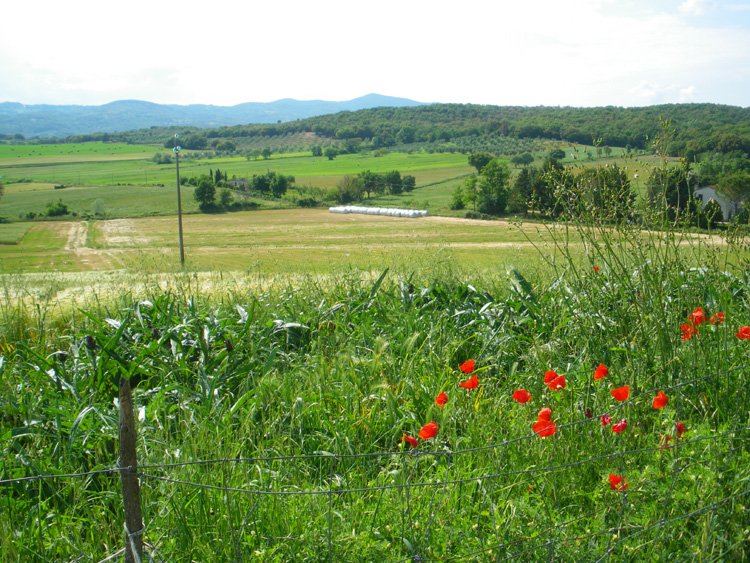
(696,7)
(536,52)
(738,7)
(686,94)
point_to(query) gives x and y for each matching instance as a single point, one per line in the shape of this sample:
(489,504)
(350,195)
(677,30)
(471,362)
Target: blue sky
(532,52)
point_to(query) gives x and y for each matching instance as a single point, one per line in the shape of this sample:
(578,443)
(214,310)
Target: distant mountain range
(125,115)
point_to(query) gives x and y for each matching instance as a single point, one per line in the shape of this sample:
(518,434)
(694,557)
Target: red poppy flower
(588,413)
(411,440)
(606,419)
(688,331)
(617,483)
(544,428)
(680,428)
(545,414)
(470,383)
(717,319)
(664,442)
(744,333)
(467,366)
(697,317)
(596,268)
(600,372)
(620,426)
(554,381)
(522,396)
(441,399)
(621,393)
(428,431)
(660,401)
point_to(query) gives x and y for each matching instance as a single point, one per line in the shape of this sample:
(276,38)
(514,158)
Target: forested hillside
(690,129)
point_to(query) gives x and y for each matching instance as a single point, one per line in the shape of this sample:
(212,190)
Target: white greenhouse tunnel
(390,211)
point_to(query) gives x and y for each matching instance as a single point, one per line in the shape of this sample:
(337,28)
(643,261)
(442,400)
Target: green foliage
(736,185)
(408,182)
(56,209)
(205,193)
(524,159)
(457,198)
(710,214)
(480,160)
(162,158)
(556,154)
(225,197)
(349,189)
(492,186)
(670,192)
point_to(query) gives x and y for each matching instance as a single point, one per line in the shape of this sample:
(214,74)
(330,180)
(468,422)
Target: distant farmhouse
(238,183)
(729,208)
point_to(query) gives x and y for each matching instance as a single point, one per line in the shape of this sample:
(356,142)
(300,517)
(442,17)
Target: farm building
(729,208)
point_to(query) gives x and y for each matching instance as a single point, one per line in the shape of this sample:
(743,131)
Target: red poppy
(545,414)
(428,431)
(522,396)
(411,440)
(744,333)
(467,366)
(660,401)
(606,419)
(554,381)
(697,317)
(621,393)
(441,399)
(588,413)
(596,268)
(680,428)
(619,426)
(688,331)
(617,483)
(544,428)
(470,383)
(600,372)
(664,442)
(717,319)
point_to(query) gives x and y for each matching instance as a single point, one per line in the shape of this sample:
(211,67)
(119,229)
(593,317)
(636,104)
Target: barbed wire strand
(392,453)
(491,476)
(663,521)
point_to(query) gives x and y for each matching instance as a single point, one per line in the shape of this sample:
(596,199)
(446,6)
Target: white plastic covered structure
(391,211)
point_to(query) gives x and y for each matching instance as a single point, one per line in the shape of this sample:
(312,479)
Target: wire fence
(479,496)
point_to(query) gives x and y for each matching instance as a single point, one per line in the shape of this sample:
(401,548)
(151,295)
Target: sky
(499,52)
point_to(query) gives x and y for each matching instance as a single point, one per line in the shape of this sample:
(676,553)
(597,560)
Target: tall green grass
(301,392)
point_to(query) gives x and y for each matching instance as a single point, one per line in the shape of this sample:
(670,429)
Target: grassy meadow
(302,393)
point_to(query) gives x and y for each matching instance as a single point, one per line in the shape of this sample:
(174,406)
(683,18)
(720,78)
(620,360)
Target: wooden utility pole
(176,150)
(131,488)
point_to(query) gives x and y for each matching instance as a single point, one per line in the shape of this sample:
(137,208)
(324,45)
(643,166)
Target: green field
(317,171)
(12,155)
(272,242)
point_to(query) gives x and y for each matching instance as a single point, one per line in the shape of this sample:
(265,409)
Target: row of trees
(553,190)
(367,183)
(206,185)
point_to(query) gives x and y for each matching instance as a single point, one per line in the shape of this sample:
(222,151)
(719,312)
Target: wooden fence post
(131,489)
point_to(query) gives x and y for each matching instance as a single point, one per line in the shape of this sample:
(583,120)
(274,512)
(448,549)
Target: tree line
(270,184)
(553,190)
(366,184)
